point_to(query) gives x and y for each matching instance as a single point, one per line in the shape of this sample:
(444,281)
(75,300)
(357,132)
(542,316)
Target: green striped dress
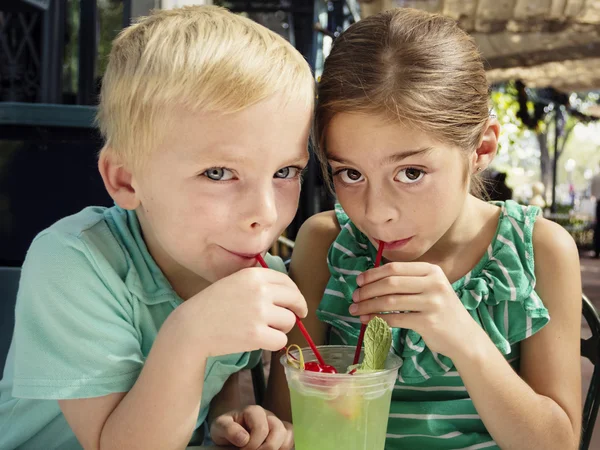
(431,408)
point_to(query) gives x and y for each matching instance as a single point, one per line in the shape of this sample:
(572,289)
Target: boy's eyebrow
(392,159)
(300,159)
(232,158)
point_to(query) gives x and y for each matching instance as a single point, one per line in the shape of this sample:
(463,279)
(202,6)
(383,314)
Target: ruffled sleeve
(505,283)
(498,293)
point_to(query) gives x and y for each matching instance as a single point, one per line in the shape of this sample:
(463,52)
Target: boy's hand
(252,428)
(249,310)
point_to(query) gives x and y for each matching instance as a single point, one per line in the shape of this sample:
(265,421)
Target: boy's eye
(218,174)
(350,176)
(410,175)
(287,172)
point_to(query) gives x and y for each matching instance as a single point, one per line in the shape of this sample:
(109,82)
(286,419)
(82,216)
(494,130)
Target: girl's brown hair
(407,66)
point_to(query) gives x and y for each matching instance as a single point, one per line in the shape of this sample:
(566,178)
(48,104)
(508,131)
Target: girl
(468,287)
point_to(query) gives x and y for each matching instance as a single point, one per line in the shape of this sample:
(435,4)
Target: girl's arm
(541,408)
(228,399)
(310,273)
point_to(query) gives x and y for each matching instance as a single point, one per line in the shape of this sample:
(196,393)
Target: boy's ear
(485,153)
(118,180)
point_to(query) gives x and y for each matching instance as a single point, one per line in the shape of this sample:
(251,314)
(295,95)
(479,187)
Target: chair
(258,382)
(9,284)
(590,349)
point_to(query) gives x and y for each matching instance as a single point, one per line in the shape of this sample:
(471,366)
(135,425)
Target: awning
(542,42)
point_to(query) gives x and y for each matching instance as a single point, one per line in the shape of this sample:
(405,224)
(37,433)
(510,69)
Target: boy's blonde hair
(203,58)
(410,67)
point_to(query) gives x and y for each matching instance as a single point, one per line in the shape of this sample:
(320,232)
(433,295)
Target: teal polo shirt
(91,301)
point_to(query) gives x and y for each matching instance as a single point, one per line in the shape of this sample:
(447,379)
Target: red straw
(312,345)
(363,327)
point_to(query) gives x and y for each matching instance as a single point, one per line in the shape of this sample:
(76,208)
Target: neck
(465,242)
(183,281)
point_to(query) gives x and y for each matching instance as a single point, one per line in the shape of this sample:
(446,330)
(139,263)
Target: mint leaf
(378,340)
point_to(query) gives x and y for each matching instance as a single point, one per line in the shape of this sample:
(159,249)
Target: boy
(131,321)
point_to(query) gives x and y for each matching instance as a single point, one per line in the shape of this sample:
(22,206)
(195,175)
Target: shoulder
(324,221)
(320,229)
(312,244)
(67,277)
(75,247)
(275,262)
(552,242)
(83,221)
(67,237)
(557,271)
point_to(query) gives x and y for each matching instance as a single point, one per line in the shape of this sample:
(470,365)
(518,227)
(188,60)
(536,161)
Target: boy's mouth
(248,256)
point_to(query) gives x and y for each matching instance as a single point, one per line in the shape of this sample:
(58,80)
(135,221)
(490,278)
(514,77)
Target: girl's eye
(350,176)
(410,175)
(218,174)
(287,172)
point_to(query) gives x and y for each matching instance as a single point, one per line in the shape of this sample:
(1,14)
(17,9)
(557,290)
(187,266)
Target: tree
(518,148)
(550,114)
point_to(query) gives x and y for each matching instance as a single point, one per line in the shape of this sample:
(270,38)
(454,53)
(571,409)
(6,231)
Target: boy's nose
(261,208)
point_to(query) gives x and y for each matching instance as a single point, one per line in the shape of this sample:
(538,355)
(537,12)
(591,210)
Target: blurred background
(542,59)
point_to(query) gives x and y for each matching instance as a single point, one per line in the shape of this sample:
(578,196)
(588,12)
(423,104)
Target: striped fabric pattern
(431,407)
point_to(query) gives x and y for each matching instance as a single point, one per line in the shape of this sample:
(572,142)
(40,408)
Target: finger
(389,286)
(388,303)
(225,431)
(270,276)
(272,340)
(277,434)
(410,269)
(409,321)
(281,319)
(290,298)
(288,443)
(255,419)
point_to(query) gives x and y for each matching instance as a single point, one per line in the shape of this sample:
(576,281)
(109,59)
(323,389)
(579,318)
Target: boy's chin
(219,273)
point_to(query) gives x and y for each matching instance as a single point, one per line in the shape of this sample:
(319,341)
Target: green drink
(340,411)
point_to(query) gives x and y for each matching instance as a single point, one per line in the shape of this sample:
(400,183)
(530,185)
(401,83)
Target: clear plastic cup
(340,411)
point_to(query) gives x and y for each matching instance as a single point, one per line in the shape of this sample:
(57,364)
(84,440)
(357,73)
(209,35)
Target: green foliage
(519,147)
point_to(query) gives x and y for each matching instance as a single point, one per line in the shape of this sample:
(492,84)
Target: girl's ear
(486,151)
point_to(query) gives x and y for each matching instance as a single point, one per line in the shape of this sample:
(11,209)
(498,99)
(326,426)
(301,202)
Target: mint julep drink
(346,410)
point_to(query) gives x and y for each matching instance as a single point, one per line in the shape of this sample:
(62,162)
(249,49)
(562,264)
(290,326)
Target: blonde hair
(203,58)
(408,66)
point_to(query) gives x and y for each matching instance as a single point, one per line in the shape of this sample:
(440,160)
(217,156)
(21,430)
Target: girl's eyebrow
(392,159)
